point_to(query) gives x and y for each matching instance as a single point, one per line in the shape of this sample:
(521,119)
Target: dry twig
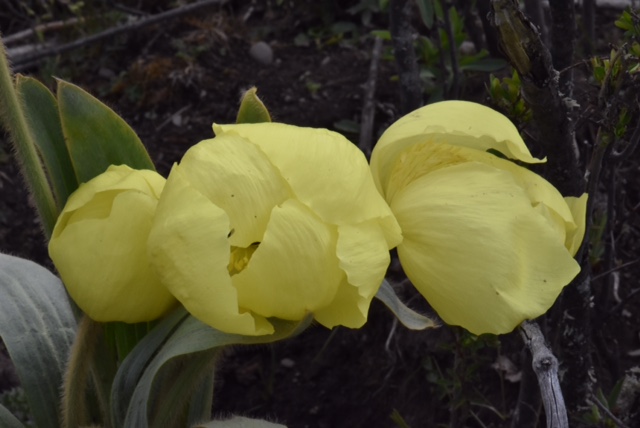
(545,366)
(368,109)
(20,62)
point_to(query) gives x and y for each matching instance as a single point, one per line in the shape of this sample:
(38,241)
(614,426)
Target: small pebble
(262,53)
(287,362)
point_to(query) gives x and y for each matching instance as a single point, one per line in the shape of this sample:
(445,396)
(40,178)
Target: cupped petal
(294,271)
(235,175)
(568,212)
(364,257)
(326,172)
(103,262)
(425,158)
(474,246)
(458,123)
(189,250)
(99,192)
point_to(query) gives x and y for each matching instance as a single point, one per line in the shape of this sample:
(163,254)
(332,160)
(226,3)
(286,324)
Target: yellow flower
(488,243)
(99,246)
(271,220)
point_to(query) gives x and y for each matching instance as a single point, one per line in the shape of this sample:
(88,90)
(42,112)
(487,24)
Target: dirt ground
(172,81)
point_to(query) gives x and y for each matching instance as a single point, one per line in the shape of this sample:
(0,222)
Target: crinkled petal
(364,257)
(236,176)
(459,123)
(326,172)
(477,250)
(294,270)
(348,308)
(104,264)
(189,249)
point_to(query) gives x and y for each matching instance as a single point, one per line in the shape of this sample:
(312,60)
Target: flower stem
(12,117)
(90,360)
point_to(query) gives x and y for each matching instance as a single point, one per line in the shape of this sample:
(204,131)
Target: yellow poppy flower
(487,242)
(271,220)
(99,246)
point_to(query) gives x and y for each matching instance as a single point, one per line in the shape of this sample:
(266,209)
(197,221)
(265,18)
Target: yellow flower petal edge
(321,167)
(475,248)
(189,250)
(238,177)
(424,158)
(364,258)
(294,270)
(458,123)
(99,247)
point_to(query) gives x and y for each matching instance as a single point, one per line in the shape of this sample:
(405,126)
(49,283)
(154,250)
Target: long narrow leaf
(134,365)
(96,136)
(408,317)
(41,112)
(37,326)
(239,422)
(7,420)
(192,336)
(13,119)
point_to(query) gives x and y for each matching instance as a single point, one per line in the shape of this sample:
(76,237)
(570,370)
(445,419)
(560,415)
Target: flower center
(240,257)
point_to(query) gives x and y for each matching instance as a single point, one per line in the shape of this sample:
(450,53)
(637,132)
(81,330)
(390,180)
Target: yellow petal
(115,179)
(364,257)
(425,158)
(235,175)
(189,250)
(295,270)
(326,172)
(459,123)
(474,246)
(100,250)
(348,308)
(578,208)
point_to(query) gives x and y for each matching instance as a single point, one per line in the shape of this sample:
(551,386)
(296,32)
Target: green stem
(12,117)
(90,356)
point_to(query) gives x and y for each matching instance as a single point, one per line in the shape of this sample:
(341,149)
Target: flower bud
(99,246)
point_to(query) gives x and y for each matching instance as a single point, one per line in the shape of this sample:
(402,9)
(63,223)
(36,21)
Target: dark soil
(173,80)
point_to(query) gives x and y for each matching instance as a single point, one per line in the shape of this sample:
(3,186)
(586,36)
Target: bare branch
(368,109)
(610,415)
(136,25)
(545,366)
(527,53)
(42,28)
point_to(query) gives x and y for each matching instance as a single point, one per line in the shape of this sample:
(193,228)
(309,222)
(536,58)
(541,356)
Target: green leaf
(37,326)
(136,362)
(191,336)
(383,34)
(408,317)
(96,136)
(12,118)
(7,420)
(239,422)
(347,125)
(252,109)
(486,65)
(426,12)
(41,113)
